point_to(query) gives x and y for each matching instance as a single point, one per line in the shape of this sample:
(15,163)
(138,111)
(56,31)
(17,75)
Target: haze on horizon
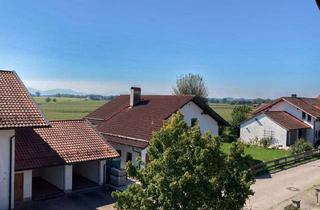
(244,49)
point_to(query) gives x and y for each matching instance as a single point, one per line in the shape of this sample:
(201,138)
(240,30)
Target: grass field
(258,153)
(75,108)
(67,108)
(224,110)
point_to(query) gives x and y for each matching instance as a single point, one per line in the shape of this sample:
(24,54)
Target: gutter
(10,172)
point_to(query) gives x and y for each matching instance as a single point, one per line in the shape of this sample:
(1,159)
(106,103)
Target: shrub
(48,99)
(265,142)
(290,207)
(300,146)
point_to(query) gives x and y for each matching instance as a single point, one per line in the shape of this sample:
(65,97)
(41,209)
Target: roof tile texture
(17,108)
(286,120)
(65,142)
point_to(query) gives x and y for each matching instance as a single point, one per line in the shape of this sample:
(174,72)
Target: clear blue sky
(245,48)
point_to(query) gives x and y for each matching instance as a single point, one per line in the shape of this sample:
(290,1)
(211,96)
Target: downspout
(10,172)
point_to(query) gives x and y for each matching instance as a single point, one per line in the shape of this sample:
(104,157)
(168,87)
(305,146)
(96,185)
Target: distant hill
(55,92)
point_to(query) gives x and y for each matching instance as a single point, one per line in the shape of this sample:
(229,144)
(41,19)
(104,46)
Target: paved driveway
(99,199)
(271,190)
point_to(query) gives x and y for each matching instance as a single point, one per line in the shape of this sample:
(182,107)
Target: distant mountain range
(55,92)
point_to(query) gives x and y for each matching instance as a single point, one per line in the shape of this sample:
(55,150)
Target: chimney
(135,96)
(294,95)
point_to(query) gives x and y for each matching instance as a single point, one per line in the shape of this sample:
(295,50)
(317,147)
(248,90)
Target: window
(119,152)
(129,156)
(194,121)
(303,115)
(309,118)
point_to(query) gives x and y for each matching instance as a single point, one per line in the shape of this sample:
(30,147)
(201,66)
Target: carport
(69,155)
(88,174)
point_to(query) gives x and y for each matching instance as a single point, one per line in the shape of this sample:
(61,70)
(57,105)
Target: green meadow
(67,108)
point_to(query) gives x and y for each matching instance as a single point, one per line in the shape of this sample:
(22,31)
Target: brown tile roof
(286,120)
(17,108)
(119,119)
(66,142)
(309,105)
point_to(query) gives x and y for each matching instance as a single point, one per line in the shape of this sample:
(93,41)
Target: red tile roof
(66,142)
(119,119)
(309,105)
(286,120)
(17,108)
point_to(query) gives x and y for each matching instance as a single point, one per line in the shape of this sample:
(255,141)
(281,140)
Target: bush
(300,146)
(48,99)
(265,142)
(290,207)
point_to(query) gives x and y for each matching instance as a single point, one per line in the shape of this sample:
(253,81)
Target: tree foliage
(191,84)
(187,171)
(238,115)
(48,99)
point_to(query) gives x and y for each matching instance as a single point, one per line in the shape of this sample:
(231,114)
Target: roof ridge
(68,120)
(9,71)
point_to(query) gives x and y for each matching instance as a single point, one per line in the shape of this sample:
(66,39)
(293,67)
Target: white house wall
(296,112)
(255,129)
(134,151)
(89,170)
(5,136)
(206,122)
(60,176)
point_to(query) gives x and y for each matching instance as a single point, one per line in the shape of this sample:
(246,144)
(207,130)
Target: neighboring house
(128,121)
(284,121)
(40,158)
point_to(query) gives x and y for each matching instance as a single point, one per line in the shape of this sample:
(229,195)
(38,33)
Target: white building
(127,122)
(38,158)
(284,121)
(17,110)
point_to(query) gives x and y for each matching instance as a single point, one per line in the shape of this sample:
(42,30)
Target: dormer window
(309,118)
(303,115)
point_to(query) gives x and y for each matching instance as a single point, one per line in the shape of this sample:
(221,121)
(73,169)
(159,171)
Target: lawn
(258,153)
(224,110)
(67,108)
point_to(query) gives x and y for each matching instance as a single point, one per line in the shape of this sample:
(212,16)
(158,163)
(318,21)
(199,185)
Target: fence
(283,162)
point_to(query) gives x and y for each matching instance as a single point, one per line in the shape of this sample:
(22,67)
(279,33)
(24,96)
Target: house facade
(41,158)
(128,121)
(285,120)
(17,110)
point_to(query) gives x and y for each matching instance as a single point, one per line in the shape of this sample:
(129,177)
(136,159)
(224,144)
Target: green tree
(238,115)
(191,84)
(187,171)
(48,99)
(54,100)
(37,94)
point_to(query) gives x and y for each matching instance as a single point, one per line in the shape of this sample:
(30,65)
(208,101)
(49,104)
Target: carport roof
(65,142)
(286,120)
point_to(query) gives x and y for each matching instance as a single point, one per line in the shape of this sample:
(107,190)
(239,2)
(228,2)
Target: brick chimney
(135,96)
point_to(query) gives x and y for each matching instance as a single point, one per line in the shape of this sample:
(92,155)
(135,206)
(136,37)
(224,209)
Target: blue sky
(243,48)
